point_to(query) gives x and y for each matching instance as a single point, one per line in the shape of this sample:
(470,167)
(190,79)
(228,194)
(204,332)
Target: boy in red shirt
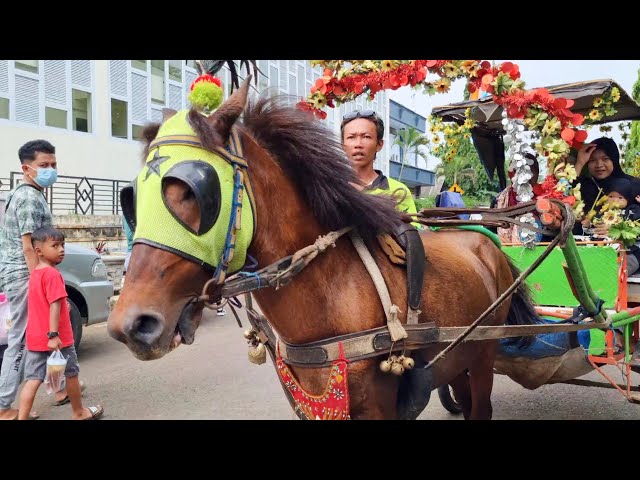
(49,326)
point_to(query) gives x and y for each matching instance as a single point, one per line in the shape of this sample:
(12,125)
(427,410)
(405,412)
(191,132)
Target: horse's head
(181,206)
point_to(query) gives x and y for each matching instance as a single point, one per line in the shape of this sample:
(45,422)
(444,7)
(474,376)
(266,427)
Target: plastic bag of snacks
(55,379)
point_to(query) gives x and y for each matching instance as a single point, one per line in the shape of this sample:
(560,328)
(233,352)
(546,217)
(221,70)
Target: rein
(378,341)
(276,275)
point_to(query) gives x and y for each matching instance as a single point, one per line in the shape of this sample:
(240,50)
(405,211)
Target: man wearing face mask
(26,211)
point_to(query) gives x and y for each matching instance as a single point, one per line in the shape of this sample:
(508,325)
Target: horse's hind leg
(481,383)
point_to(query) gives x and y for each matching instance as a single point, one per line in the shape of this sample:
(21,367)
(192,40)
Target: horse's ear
(224,117)
(167,113)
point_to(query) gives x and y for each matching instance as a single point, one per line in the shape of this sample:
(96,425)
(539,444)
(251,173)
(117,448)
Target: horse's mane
(314,160)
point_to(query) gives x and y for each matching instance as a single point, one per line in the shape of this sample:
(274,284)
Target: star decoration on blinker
(153,165)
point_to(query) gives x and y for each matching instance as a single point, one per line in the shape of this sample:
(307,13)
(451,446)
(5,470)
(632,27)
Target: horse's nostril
(145,329)
(146,324)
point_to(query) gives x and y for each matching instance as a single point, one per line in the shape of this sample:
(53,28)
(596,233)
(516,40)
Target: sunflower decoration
(611,217)
(319,100)
(442,85)
(594,115)
(450,70)
(387,65)
(603,106)
(470,68)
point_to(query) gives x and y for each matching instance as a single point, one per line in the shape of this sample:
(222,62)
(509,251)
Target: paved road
(212,379)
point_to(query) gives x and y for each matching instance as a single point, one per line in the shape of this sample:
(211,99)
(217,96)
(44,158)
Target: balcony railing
(77,195)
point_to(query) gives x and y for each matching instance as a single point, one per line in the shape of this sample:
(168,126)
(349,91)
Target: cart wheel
(448,399)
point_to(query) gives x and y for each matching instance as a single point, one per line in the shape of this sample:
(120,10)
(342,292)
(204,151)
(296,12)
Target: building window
(191,64)
(263,79)
(139,65)
(175,70)
(273,76)
(136,132)
(4,108)
(27,65)
(81,111)
(157,82)
(55,117)
(119,119)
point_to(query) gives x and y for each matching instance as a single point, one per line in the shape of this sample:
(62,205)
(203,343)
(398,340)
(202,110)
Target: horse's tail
(522,311)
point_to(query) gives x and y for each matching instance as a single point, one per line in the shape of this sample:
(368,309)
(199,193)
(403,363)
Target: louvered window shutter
(27,100)
(156,115)
(81,73)
(4,78)
(55,83)
(189,78)
(118,77)
(175,97)
(139,98)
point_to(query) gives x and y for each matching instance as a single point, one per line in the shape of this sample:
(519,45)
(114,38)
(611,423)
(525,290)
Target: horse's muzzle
(143,331)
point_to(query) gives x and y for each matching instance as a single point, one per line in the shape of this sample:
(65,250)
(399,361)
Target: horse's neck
(305,309)
(284,222)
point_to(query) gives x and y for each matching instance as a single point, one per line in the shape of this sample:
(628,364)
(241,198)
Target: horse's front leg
(373,394)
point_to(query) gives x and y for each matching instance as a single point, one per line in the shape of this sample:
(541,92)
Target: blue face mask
(45,177)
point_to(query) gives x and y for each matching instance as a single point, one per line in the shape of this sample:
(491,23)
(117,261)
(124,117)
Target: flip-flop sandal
(66,399)
(96,412)
(32,416)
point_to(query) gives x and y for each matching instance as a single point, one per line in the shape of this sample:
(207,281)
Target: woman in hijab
(602,160)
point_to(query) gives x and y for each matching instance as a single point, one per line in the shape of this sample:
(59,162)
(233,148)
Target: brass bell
(248,334)
(257,354)
(393,358)
(385,365)
(408,363)
(397,369)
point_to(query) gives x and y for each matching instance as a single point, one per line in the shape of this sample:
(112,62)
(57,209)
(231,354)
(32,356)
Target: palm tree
(632,149)
(410,140)
(458,167)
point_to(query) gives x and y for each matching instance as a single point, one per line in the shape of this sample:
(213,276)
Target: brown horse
(303,188)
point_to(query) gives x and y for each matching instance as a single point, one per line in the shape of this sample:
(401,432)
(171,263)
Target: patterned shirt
(27,211)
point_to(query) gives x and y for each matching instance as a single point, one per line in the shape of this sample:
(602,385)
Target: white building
(93,112)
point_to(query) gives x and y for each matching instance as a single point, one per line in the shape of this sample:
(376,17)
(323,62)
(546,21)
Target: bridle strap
(234,156)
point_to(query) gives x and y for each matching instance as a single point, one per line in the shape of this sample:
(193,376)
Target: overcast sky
(535,73)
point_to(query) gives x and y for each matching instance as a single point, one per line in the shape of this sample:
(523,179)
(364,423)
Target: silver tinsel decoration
(521,168)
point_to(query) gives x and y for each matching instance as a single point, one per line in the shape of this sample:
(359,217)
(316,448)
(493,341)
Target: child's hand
(54,343)
(601,230)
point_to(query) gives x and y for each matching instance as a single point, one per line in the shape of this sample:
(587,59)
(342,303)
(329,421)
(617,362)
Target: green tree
(456,169)
(410,140)
(476,184)
(632,151)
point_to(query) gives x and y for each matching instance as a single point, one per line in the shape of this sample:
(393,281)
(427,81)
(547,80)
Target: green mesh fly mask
(216,178)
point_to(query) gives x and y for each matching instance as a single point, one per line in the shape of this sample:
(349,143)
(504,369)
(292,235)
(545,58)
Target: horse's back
(466,270)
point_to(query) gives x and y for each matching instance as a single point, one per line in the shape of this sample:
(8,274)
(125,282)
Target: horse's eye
(188,194)
(192,180)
